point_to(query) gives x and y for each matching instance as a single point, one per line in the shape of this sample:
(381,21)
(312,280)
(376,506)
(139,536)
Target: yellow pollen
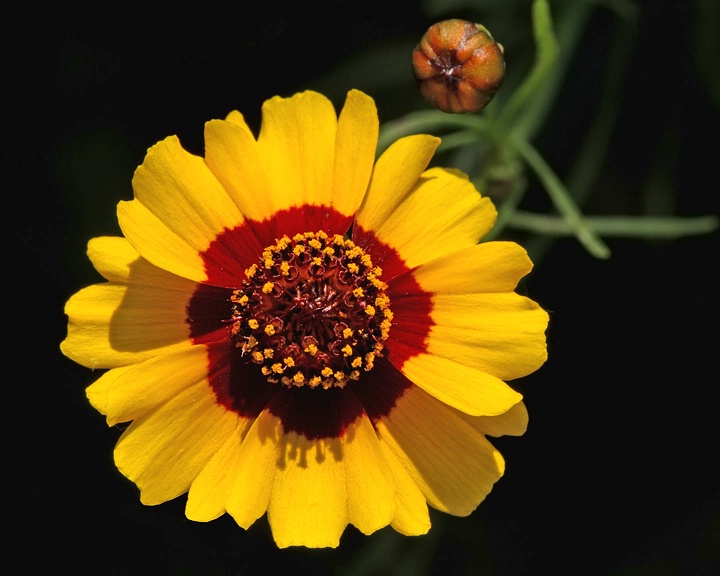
(285,277)
(379,284)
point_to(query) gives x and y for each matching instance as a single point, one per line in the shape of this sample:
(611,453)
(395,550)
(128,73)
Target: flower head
(296,329)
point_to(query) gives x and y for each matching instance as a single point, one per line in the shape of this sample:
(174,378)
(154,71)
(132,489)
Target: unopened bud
(458,66)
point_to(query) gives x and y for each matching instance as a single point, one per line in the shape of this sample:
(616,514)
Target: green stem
(593,150)
(529,107)
(547,52)
(625,9)
(560,196)
(428,121)
(648,227)
(507,208)
(460,139)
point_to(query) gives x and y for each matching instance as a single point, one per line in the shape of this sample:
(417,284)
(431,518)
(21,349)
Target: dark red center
(310,305)
(312,312)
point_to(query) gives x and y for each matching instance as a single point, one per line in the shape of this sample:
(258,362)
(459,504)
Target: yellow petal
(232,154)
(308,503)
(252,470)
(209,492)
(113,257)
(126,393)
(113,325)
(487,267)
(117,261)
(181,191)
(157,243)
(453,464)
(411,512)
(355,146)
(297,146)
(394,175)
(470,390)
(236,117)
(443,213)
(512,423)
(164,450)
(317,486)
(501,334)
(370,488)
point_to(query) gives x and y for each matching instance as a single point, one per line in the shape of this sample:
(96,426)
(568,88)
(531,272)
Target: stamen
(317,304)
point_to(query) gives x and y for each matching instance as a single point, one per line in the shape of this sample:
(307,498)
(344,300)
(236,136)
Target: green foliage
(497,147)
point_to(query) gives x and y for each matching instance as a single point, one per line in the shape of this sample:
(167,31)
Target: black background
(618,473)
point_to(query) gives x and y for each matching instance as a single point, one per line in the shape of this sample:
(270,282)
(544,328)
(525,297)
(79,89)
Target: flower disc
(313,312)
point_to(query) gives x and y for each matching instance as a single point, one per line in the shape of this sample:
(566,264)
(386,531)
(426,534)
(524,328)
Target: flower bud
(458,66)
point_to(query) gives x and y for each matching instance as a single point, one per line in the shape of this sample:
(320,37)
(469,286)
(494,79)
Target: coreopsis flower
(296,329)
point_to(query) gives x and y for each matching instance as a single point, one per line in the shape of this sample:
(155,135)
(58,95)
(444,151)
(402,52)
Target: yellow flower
(298,330)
